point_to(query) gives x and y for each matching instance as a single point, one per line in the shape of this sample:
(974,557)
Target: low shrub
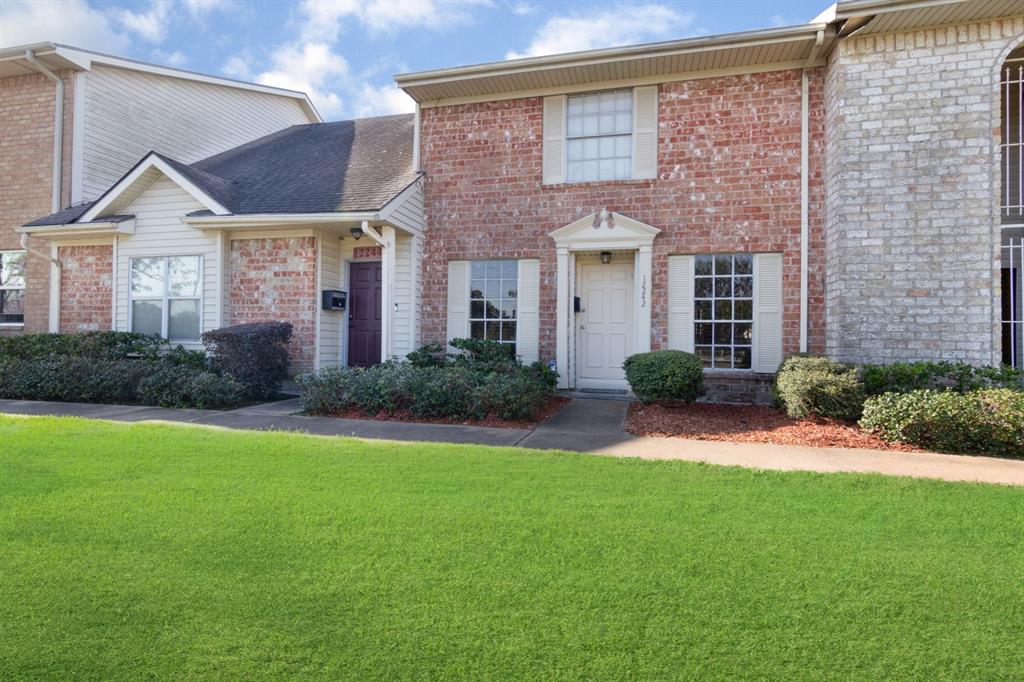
(986,421)
(484,355)
(429,355)
(106,345)
(904,377)
(168,385)
(256,355)
(808,385)
(665,375)
(69,378)
(512,395)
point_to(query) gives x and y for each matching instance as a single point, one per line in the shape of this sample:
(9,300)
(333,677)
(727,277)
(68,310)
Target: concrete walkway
(585,425)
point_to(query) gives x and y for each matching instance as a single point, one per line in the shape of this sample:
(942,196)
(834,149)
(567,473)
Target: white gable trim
(151,161)
(622,233)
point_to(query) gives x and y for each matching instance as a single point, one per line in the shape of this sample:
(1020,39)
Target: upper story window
(12,287)
(166,297)
(599,136)
(1012,138)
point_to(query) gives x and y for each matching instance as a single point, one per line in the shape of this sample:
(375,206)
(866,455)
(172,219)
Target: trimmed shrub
(381,388)
(808,385)
(484,355)
(987,421)
(665,375)
(256,355)
(515,395)
(67,378)
(429,355)
(904,377)
(444,392)
(107,345)
(181,386)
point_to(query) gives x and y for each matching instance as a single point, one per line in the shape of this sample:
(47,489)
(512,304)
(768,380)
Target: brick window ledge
(600,183)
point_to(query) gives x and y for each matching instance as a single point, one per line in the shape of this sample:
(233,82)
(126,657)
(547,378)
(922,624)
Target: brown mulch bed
(554,404)
(749,424)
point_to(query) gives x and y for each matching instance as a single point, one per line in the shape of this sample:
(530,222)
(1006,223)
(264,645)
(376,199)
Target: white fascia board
(851,8)
(85,58)
(98,229)
(284,219)
(152,161)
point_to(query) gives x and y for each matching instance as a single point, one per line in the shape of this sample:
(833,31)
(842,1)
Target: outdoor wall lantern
(606,257)
(357,233)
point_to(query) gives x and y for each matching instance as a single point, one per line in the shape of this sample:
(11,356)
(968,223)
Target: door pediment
(604,230)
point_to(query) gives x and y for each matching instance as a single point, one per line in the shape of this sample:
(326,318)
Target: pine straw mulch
(554,404)
(749,424)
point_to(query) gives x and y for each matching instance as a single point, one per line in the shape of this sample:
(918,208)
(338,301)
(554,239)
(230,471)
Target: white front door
(605,324)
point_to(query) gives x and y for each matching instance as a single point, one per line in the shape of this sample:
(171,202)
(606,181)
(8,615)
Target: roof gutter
(208,222)
(58,126)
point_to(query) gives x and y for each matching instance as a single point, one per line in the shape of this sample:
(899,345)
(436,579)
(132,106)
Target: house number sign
(366,252)
(643,292)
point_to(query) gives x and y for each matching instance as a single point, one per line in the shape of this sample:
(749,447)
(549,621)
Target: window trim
(566,138)
(752,346)
(165,299)
(24,284)
(470,319)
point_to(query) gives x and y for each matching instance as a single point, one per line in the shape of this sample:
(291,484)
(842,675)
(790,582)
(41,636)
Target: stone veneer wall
(728,181)
(274,280)
(85,287)
(912,182)
(26,180)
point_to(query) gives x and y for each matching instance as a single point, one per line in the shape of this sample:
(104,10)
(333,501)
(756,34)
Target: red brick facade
(85,287)
(26,180)
(274,279)
(728,181)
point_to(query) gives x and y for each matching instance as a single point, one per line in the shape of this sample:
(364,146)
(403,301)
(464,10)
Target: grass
(159,551)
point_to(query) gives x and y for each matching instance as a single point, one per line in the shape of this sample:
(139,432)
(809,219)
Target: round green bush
(988,421)
(808,385)
(665,375)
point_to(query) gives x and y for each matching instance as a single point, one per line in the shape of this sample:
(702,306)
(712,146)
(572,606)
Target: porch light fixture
(606,257)
(357,233)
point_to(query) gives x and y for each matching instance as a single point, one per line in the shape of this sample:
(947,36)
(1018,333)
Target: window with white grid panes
(599,139)
(493,294)
(723,310)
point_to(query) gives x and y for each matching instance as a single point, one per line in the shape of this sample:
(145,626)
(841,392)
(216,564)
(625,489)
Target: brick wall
(274,279)
(26,167)
(913,178)
(728,181)
(85,281)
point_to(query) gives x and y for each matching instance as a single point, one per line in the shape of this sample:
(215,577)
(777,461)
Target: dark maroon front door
(364,314)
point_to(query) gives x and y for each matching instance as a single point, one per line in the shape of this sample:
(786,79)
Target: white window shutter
(554,140)
(458,299)
(645,132)
(680,303)
(528,311)
(767,312)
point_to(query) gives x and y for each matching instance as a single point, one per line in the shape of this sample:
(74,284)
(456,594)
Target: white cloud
(622,24)
(324,18)
(176,59)
(72,22)
(239,67)
(778,20)
(150,25)
(312,68)
(521,9)
(377,101)
(198,9)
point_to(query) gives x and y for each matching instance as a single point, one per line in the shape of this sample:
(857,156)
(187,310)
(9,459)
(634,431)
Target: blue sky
(344,52)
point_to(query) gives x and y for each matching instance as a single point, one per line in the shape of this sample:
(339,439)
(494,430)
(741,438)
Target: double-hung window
(723,310)
(12,287)
(166,297)
(599,136)
(493,296)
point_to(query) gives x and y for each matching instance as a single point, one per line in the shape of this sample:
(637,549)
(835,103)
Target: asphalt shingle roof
(355,165)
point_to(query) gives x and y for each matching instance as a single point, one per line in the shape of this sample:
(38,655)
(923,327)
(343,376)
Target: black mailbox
(334,299)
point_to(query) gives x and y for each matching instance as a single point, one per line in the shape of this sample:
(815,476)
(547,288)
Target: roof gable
(604,230)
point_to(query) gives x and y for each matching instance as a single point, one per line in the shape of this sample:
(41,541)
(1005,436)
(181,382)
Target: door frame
(591,234)
(586,260)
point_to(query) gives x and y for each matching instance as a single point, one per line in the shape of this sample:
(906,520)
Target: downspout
(804,188)
(58,126)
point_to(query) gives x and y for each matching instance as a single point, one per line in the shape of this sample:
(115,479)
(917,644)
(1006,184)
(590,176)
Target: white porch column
(642,285)
(562,329)
(53,323)
(387,292)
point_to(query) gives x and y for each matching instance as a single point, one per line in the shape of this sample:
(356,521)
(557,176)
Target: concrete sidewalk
(585,425)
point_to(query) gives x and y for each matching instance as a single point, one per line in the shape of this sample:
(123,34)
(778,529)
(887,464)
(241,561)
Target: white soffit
(895,16)
(793,45)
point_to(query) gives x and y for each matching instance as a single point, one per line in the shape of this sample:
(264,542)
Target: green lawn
(157,551)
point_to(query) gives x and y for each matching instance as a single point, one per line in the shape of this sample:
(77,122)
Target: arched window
(1012,207)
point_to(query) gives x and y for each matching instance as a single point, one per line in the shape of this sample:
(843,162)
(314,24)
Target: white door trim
(583,266)
(593,233)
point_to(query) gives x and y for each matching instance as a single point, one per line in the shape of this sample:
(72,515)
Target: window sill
(599,183)
(12,325)
(736,373)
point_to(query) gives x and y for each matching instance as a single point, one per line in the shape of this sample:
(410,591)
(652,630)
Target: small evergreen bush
(665,375)
(904,377)
(986,421)
(808,385)
(255,354)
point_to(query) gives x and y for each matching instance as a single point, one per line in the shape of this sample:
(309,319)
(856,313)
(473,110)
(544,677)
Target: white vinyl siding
(405,303)
(158,232)
(329,343)
(458,299)
(406,212)
(554,140)
(680,303)
(528,313)
(129,113)
(767,312)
